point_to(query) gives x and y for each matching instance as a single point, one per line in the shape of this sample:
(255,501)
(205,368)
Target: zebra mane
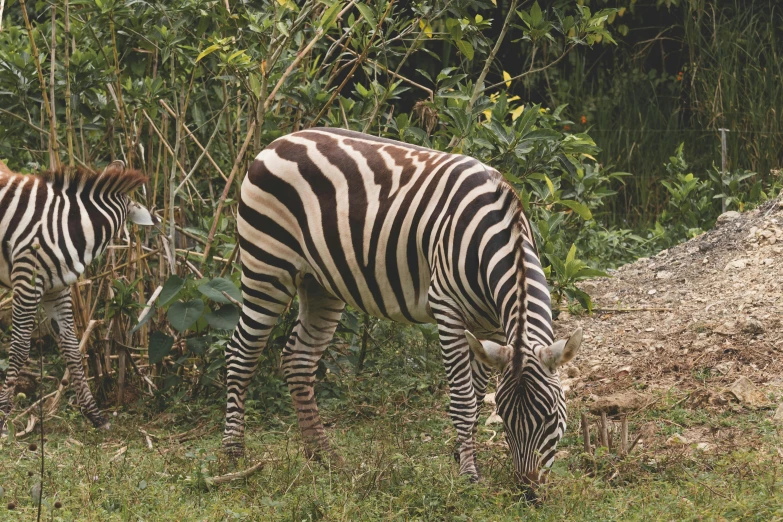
(115,178)
(517,220)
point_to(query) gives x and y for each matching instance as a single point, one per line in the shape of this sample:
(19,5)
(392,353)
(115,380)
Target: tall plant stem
(356,64)
(54,160)
(478,88)
(67,67)
(237,163)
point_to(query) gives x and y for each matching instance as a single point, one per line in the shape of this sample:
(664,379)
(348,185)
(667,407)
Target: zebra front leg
(463,407)
(27,295)
(262,305)
(319,314)
(59,309)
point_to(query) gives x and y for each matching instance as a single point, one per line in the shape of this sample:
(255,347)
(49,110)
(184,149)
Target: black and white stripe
(404,233)
(51,227)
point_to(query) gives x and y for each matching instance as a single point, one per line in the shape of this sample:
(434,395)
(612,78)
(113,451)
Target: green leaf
(160,346)
(465,48)
(579,208)
(199,345)
(571,254)
(367,14)
(587,272)
(214,290)
(206,52)
(330,15)
(171,288)
(224,318)
(184,314)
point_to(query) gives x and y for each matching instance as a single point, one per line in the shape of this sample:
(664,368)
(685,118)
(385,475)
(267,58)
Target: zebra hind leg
(319,314)
(59,309)
(264,300)
(27,295)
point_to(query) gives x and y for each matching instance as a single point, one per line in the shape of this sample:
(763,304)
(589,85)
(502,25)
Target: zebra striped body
(400,232)
(51,228)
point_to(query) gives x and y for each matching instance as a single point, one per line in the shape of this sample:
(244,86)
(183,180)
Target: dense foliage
(190,90)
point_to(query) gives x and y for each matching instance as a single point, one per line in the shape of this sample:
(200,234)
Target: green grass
(398,466)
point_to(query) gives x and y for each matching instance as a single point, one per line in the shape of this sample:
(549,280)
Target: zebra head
(114,184)
(530,400)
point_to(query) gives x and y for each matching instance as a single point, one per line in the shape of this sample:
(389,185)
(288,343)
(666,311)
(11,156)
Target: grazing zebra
(408,234)
(51,227)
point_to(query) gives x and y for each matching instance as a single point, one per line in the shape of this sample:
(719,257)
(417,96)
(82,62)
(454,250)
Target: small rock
(778,417)
(652,291)
(705,447)
(663,274)
(677,440)
(490,399)
(747,393)
(573,371)
(725,367)
(618,403)
(493,419)
(753,326)
(727,328)
(622,372)
(737,264)
(731,215)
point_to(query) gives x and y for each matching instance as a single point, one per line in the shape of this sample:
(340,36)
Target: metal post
(723,164)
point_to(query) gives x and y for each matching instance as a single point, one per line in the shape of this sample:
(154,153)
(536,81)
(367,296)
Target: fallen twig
(238,475)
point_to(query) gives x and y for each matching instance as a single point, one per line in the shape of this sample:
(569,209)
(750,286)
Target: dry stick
(2,7)
(195,140)
(67,66)
(626,310)
(226,189)
(604,431)
(163,140)
(148,308)
(586,434)
(318,34)
(624,435)
(54,159)
(52,68)
(356,64)
(633,444)
(203,153)
(478,89)
(230,260)
(531,71)
(239,475)
(33,406)
(108,272)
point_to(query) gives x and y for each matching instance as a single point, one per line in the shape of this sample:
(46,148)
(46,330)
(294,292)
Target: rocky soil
(702,319)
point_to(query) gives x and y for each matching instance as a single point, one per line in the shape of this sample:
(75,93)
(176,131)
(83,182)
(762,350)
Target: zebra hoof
(234,450)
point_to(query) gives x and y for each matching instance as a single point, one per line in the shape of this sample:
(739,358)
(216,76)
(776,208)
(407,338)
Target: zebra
(51,227)
(409,234)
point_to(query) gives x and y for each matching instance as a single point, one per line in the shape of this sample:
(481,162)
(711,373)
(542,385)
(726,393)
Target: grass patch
(398,466)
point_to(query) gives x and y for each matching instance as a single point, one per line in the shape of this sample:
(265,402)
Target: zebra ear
(561,351)
(139,215)
(489,352)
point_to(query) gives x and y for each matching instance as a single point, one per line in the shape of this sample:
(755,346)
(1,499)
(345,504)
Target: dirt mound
(699,315)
